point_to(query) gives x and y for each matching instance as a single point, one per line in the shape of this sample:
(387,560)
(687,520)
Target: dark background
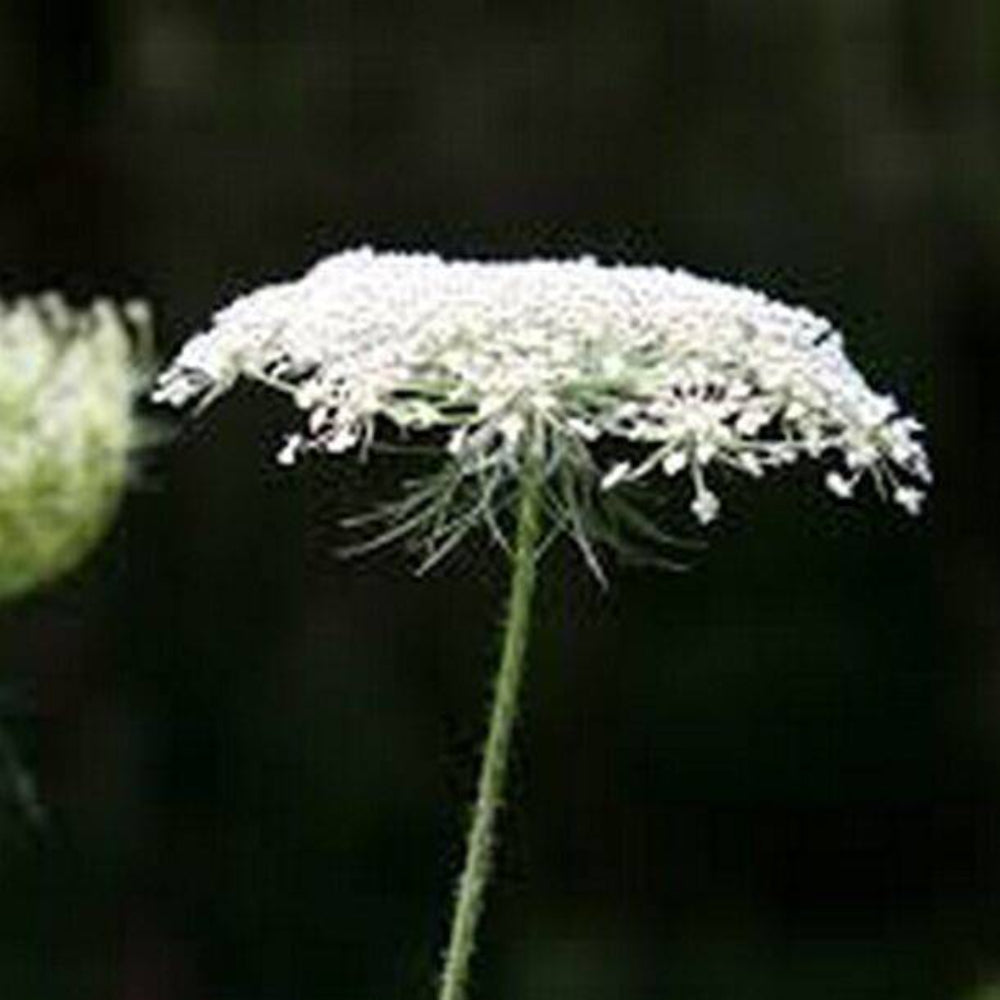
(773,776)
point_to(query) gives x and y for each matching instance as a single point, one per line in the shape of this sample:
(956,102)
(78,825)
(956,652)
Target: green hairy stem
(489,798)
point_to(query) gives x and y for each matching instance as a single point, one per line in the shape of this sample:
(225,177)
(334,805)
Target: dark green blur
(774,776)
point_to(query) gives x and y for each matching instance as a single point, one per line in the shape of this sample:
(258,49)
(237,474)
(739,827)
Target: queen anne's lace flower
(67,383)
(687,375)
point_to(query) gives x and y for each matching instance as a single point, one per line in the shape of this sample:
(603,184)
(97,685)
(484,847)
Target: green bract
(67,382)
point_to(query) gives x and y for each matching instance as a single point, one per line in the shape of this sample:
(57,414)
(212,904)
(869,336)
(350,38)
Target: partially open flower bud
(68,379)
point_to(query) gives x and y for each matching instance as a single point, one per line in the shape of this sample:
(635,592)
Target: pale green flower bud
(68,379)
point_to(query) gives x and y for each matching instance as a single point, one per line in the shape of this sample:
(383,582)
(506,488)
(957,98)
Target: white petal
(910,499)
(839,486)
(674,462)
(615,475)
(290,450)
(705,506)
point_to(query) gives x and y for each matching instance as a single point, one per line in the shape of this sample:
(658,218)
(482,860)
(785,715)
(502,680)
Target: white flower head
(68,379)
(611,375)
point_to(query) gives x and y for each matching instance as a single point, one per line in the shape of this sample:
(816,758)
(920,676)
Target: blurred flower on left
(68,381)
